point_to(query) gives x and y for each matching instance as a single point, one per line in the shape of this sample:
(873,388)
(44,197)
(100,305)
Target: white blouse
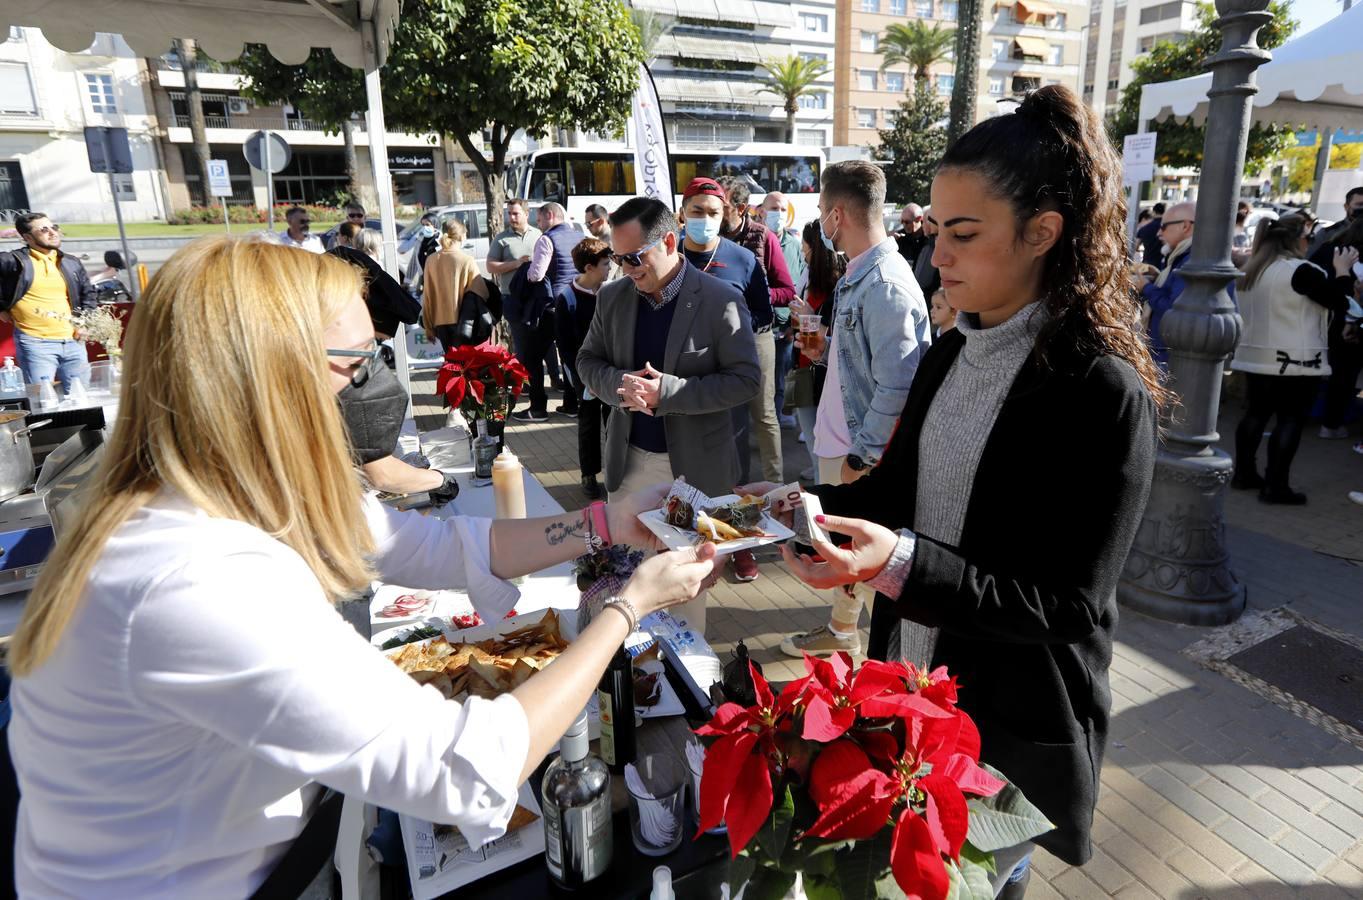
(169,747)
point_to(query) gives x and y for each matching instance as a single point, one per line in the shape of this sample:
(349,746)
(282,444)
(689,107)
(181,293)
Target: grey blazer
(709,368)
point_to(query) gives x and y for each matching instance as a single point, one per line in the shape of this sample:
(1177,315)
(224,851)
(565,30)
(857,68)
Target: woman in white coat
(1285,303)
(183,685)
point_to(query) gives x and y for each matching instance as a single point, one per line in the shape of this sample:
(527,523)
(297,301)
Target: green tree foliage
(1180,144)
(790,79)
(915,45)
(463,68)
(914,146)
(1301,164)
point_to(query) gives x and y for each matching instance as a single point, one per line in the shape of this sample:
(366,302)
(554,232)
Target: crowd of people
(940,377)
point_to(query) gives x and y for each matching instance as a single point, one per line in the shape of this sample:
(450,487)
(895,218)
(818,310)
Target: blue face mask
(702,230)
(774,219)
(824,236)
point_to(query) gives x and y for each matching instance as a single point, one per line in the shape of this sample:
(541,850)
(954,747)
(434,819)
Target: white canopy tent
(1313,81)
(358,32)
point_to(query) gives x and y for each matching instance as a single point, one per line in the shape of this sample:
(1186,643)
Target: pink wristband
(600,524)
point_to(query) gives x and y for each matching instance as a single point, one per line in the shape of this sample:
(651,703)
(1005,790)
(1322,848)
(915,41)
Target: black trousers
(533,344)
(1289,399)
(1346,361)
(591,425)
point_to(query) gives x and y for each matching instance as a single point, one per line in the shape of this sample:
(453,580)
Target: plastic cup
(809,324)
(657,813)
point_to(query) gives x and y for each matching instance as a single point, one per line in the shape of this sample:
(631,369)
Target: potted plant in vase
(482,382)
(601,574)
(858,783)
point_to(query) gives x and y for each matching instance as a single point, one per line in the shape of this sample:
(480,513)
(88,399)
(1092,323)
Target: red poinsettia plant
(481,382)
(867,782)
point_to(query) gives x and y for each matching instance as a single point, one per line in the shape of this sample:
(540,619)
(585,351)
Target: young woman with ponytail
(1040,410)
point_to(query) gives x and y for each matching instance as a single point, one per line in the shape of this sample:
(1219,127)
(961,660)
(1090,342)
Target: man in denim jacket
(880,331)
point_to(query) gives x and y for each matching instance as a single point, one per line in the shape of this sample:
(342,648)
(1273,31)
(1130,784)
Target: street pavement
(1216,783)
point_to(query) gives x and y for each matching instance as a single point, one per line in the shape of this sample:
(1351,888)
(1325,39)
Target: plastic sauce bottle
(508,485)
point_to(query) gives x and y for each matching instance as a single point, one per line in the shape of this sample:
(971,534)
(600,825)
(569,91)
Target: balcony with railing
(254,123)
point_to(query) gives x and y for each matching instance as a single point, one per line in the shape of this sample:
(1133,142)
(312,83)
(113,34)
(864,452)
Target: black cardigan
(1027,602)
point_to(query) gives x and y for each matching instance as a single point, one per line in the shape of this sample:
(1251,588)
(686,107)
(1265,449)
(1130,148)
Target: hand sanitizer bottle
(11,377)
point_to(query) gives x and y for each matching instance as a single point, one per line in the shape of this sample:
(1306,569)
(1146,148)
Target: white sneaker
(1334,434)
(822,641)
(1355,496)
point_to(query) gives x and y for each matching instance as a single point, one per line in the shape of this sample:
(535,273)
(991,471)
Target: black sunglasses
(636,258)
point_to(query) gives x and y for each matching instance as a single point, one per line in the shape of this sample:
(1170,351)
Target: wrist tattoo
(558,532)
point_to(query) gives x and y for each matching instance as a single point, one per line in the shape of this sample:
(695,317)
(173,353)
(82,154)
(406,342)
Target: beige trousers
(847,601)
(644,469)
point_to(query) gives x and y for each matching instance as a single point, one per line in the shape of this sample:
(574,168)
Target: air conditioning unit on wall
(237,106)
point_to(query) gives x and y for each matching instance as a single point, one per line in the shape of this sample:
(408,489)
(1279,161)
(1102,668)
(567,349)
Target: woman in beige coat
(449,274)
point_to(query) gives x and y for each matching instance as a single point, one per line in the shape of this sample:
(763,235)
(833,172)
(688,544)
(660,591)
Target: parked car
(474,217)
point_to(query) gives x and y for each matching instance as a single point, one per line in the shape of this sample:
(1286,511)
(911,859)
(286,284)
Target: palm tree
(651,28)
(964,91)
(790,79)
(916,45)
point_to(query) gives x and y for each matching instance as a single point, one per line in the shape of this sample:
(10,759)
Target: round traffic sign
(254,149)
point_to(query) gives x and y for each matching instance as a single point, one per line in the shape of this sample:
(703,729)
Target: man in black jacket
(40,287)
(1152,248)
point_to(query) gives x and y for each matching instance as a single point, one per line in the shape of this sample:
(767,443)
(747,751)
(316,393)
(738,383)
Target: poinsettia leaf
(861,866)
(740,871)
(723,762)
(1005,819)
(841,665)
(730,718)
(817,888)
(903,705)
(972,855)
(968,739)
(824,723)
(948,816)
(916,864)
(968,882)
(872,679)
(970,776)
(747,808)
(769,884)
(765,697)
(860,809)
(478,389)
(880,745)
(775,833)
(834,770)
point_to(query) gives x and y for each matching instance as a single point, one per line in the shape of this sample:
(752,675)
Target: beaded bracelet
(626,609)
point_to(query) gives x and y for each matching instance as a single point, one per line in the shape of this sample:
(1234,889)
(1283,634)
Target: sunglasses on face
(1164,225)
(47,229)
(360,373)
(636,258)
(356,216)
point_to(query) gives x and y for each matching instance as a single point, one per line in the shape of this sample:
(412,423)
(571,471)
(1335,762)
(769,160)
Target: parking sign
(219,181)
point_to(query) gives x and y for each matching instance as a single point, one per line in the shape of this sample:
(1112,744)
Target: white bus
(580,177)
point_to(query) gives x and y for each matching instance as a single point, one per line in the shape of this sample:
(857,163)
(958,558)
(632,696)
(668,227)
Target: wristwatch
(856,463)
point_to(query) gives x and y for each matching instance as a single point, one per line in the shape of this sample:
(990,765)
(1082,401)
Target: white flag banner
(652,171)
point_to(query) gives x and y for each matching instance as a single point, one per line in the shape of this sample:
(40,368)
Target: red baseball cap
(706,186)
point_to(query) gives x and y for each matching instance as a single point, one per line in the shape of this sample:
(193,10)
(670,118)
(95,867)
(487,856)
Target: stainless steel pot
(16,454)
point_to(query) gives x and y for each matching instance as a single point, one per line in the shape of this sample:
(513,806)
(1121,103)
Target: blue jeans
(41,359)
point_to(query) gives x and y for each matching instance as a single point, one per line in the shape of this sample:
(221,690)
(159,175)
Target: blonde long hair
(1273,241)
(226,401)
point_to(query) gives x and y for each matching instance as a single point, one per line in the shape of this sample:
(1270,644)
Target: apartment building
(1024,45)
(1117,33)
(708,68)
(47,98)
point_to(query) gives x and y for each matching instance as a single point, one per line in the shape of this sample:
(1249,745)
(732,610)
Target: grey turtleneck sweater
(954,433)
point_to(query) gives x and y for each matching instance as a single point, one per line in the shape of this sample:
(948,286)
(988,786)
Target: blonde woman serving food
(183,687)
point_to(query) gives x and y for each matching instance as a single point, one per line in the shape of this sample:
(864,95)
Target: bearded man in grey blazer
(671,351)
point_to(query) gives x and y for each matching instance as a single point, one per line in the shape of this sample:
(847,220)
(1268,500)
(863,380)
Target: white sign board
(219,181)
(1138,158)
(652,173)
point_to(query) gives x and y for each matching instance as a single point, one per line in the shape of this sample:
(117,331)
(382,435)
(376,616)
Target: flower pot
(594,598)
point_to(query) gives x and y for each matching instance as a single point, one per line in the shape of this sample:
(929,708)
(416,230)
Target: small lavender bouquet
(600,575)
(100,326)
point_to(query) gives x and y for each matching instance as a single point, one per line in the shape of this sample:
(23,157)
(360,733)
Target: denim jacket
(883,329)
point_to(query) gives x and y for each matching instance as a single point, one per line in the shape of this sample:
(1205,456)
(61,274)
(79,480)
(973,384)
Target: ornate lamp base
(1179,569)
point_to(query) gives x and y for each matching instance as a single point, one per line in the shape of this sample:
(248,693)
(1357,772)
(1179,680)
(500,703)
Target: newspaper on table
(439,859)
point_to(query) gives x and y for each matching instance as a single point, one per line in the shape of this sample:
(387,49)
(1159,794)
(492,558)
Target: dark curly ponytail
(1053,154)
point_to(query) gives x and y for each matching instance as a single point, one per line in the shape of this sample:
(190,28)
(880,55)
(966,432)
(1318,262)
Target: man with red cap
(703,213)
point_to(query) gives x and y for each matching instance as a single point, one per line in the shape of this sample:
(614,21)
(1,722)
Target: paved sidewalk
(1210,789)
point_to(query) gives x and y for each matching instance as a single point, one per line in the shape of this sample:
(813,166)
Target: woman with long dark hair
(824,268)
(1286,303)
(1022,463)
(1345,339)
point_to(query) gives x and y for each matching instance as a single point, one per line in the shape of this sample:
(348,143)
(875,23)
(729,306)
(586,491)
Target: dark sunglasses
(355,216)
(47,229)
(636,258)
(1164,225)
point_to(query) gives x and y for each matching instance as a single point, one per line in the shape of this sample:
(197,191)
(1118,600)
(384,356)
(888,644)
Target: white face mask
(774,219)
